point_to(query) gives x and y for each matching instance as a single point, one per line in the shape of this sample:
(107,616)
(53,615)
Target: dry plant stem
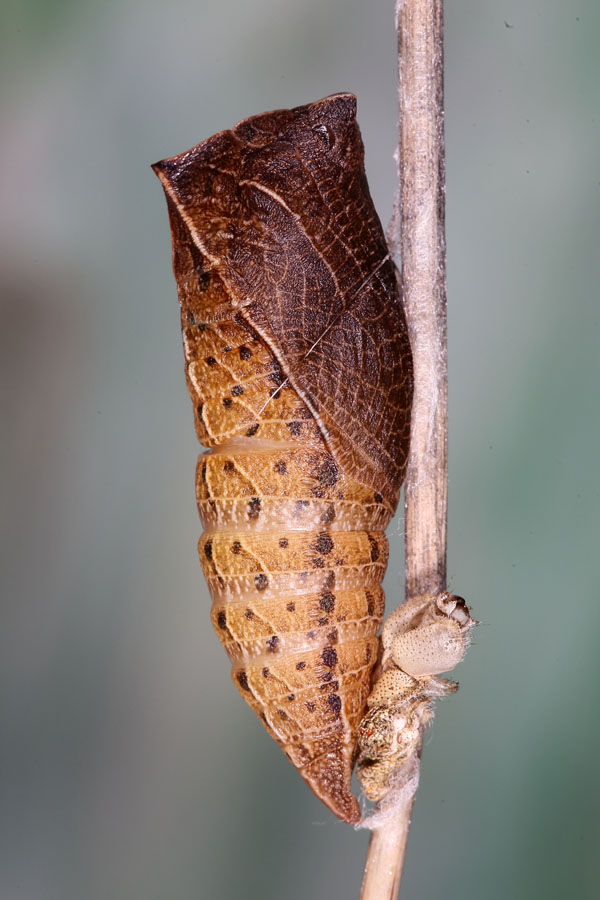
(419,219)
(386,848)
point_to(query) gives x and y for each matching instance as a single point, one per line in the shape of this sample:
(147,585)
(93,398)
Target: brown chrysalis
(299,368)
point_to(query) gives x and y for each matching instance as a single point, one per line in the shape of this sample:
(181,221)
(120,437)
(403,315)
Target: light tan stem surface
(418,230)
(386,848)
(423,250)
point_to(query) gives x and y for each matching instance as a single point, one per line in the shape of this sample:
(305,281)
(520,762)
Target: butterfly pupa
(299,368)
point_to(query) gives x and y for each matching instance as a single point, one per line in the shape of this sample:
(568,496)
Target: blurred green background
(130,767)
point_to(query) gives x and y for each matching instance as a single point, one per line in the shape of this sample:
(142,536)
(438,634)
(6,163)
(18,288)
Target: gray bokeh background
(130,766)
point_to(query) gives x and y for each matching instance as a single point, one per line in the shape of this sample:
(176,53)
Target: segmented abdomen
(293,552)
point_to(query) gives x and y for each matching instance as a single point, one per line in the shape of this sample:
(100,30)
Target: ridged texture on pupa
(299,368)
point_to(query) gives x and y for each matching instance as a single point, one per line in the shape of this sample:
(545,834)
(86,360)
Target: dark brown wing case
(279,208)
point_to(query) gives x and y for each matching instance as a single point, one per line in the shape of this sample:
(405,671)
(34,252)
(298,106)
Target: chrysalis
(299,368)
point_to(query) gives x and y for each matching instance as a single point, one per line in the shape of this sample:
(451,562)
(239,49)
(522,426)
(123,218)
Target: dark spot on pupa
(368,655)
(291,697)
(333,636)
(378,497)
(282,713)
(228,466)
(210,361)
(300,507)
(236,547)
(311,635)
(284,543)
(199,409)
(335,702)
(222,620)
(327,601)
(294,428)
(265,672)
(190,318)
(204,281)
(273,644)
(329,515)
(264,718)
(281,466)
(227,401)
(340,561)
(330,580)
(300,666)
(327,474)
(245,353)
(340,495)
(252,431)
(254,508)
(323,621)
(329,657)
(261,581)
(326,676)
(370,602)
(237,390)
(249,614)
(323,544)
(208,549)
(203,472)
(318,562)
(310,707)
(243,680)
(291,607)
(227,349)
(374,548)
(277,376)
